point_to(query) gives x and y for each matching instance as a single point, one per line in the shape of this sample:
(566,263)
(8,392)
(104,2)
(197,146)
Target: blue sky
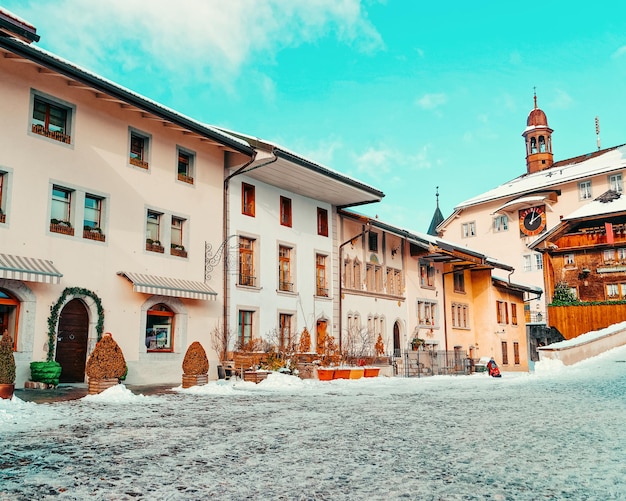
(405,95)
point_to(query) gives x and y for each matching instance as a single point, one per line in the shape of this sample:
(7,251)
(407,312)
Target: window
(92,218)
(459,281)
(394,281)
(284,335)
(139,149)
(500,223)
(186,162)
(374,277)
(427,274)
(584,190)
(621,254)
(3,176)
(460,315)
(284,269)
(348,274)
(608,255)
(373,241)
(61,211)
(615,182)
(244,337)
(285,211)
(502,312)
(516,352)
(532,262)
(51,119)
(513,314)
(426,313)
(469,229)
(246,262)
(320,276)
(9,313)
(505,353)
(159,328)
(568,259)
(322,222)
(177,248)
(153,231)
(616,291)
(247,199)
(358,280)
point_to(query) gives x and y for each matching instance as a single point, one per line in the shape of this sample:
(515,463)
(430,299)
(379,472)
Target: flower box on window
(63,227)
(2,217)
(94,234)
(58,136)
(137,162)
(185,179)
(178,250)
(154,246)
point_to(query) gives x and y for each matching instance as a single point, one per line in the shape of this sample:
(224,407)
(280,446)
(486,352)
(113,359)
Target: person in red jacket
(492,367)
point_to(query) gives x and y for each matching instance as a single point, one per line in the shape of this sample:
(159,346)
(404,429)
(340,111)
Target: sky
(404,95)
(555,434)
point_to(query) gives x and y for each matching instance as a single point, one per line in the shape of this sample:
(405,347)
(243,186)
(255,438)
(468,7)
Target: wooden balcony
(57,136)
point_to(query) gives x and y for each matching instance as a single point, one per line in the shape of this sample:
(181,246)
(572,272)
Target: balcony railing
(247,280)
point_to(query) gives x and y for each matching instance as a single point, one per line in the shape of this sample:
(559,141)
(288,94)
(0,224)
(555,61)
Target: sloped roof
(580,167)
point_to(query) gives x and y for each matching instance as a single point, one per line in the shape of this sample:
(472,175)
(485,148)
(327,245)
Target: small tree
(107,360)
(220,340)
(7,360)
(379,347)
(563,295)
(195,361)
(305,341)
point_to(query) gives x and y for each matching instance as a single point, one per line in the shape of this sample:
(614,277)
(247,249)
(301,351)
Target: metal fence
(421,363)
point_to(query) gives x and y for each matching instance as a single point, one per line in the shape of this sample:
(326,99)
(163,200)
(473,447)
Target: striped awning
(28,269)
(176,287)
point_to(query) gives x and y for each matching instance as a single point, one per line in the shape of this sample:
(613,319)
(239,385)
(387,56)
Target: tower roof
(536,116)
(436,220)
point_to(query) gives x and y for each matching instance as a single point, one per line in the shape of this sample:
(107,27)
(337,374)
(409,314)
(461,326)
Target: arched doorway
(397,347)
(72,341)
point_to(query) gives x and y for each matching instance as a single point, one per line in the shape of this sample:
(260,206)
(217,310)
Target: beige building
(505,220)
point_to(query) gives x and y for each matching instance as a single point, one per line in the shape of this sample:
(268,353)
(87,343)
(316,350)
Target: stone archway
(397,345)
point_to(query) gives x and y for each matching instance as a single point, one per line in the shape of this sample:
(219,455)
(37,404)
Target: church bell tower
(538,137)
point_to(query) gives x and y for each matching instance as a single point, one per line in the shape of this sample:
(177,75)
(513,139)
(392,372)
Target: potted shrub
(7,366)
(195,366)
(106,365)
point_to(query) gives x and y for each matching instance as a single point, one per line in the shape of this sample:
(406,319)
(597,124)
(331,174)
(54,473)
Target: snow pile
(117,394)
(589,336)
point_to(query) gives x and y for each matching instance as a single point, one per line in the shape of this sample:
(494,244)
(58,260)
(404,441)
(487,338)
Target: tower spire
(538,137)
(437,217)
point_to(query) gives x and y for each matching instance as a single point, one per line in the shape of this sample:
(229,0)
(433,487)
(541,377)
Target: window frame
(321,279)
(468,230)
(427,279)
(245,325)
(427,313)
(502,312)
(505,352)
(460,315)
(458,280)
(285,211)
(372,241)
(516,357)
(322,222)
(139,159)
(584,190)
(285,331)
(188,174)
(500,223)
(285,280)
(43,131)
(154,219)
(161,310)
(248,199)
(3,182)
(616,182)
(247,263)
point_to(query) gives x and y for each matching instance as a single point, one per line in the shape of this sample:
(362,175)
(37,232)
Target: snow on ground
(556,434)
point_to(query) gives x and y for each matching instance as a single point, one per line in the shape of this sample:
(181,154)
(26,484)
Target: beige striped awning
(28,269)
(176,287)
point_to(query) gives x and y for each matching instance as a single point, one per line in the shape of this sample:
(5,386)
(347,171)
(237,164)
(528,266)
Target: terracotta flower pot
(6,390)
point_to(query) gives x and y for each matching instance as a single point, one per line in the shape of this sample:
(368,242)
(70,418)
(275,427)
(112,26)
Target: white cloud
(431,101)
(619,52)
(186,34)
(378,164)
(562,100)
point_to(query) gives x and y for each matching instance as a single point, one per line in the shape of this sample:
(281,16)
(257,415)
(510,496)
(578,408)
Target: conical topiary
(7,361)
(195,361)
(305,341)
(107,360)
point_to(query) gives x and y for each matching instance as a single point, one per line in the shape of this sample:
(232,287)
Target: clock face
(532,221)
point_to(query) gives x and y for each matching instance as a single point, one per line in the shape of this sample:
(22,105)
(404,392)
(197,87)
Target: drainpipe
(366,229)
(226,226)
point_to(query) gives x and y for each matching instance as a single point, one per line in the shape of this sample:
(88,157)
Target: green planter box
(45,372)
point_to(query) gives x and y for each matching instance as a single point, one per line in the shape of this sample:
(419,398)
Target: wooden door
(397,349)
(321,336)
(72,341)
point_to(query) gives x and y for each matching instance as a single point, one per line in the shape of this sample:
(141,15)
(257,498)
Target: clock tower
(538,138)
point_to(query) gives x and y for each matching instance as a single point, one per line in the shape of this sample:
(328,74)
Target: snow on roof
(7,13)
(598,208)
(80,71)
(581,167)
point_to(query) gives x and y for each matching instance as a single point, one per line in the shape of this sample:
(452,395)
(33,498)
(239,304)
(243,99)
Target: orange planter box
(342,373)
(325,374)
(371,371)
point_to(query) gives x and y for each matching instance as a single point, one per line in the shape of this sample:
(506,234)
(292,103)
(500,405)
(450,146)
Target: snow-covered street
(556,434)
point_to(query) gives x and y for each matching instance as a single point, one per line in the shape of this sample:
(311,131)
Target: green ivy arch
(53,319)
